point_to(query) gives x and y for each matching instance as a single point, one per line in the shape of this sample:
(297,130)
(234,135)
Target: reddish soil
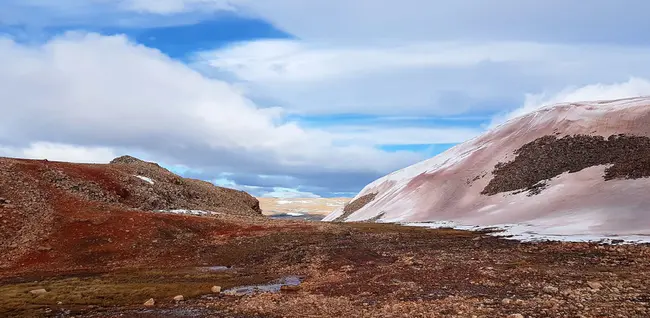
(96,255)
(72,216)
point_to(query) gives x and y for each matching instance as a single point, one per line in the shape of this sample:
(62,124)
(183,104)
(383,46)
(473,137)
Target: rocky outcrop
(580,164)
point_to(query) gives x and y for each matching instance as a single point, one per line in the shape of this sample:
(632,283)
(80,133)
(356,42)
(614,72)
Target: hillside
(49,209)
(574,169)
(90,241)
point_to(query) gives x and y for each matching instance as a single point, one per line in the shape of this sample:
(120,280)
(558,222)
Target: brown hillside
(48,208)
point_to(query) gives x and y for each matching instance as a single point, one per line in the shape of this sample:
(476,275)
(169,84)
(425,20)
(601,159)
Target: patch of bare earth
(549,156)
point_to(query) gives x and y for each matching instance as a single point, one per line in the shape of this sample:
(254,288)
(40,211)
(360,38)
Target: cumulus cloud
(97,92)
(634,87)
(60,152)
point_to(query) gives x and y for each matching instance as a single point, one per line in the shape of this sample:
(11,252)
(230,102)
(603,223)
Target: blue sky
(299,98)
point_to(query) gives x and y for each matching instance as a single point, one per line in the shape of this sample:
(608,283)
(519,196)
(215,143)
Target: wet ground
(353,270)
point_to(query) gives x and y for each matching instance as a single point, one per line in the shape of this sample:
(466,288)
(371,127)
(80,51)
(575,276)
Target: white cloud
(286,193)
(424,78)
(293,60)
(88,89)
(61,152)
(176,6)
(634,87)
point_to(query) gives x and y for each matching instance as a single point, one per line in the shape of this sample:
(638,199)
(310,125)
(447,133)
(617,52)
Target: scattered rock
(506,301)
(290,288)
(516,316)
(149,303)
(550,289)
(216,289)
(595,285)
(38,291)
(179,298)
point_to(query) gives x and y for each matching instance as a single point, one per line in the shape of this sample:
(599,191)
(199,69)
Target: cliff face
(581,164)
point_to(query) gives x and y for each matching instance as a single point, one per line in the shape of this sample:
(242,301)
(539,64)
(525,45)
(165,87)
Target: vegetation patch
(549,156)
(355,206)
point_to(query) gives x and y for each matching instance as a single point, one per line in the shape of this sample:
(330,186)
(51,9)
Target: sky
(294,98)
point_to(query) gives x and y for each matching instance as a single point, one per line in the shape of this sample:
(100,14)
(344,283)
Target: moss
(127,288)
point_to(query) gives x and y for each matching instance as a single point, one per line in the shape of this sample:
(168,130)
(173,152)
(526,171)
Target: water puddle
(272,287)
(218,268)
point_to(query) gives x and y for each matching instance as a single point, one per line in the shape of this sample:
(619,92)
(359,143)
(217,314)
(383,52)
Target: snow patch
(189,212)
(145,179)
(537,233)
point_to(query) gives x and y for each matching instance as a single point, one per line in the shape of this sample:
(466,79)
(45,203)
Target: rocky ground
(627,157)
(346,270)
(86,241)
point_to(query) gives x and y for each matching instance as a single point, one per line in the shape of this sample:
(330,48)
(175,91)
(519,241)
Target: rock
(216,289)
(44,248)
(516,316)
(38,291)
(506,301)
(179,298)
(290,288)
(550,289)
(149,303)
(595,285)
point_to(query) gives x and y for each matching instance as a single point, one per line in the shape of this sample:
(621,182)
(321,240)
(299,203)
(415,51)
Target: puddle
(272,287)
(215,268)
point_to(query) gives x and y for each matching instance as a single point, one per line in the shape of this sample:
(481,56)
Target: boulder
(149,303)
(38,291)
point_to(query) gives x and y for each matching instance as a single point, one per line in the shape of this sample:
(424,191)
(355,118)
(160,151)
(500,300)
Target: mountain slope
(575,168)
(74,208)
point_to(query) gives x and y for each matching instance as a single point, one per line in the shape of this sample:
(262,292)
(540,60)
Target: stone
(179,298)
(216,289)
(550,289)
(150,303)
(595,285)
(289,288)
(506,301)
(38,291)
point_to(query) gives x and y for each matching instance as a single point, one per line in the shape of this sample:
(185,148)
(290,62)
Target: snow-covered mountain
(565,168)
